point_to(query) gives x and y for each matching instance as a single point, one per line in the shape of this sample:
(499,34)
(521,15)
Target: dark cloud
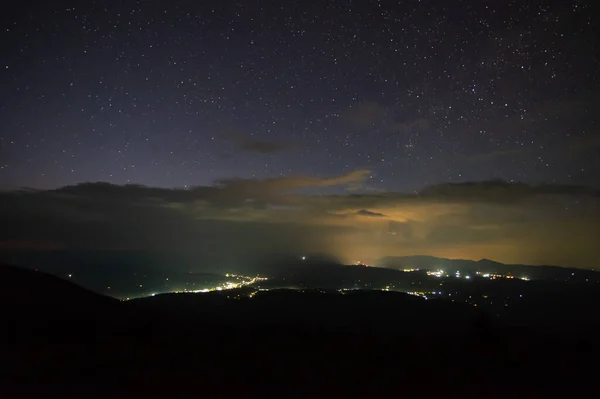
(237,221)
(372,114)
(365,114)
(263,146)
(267,188)
(247,143)
(225,192)
(364,212)
(500,190)
(283,192)
(576,146)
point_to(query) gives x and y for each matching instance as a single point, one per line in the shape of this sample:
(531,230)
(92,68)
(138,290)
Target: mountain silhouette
(60,335)
(541,272)
(36,305)
(30,288)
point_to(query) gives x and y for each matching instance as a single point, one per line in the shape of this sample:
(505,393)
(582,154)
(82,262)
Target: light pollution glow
(241,221)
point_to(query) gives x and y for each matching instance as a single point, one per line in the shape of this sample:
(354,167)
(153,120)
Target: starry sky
(186,93)
(222,131)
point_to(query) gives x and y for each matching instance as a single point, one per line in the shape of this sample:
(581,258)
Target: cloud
(499,191)
(236,221)
(225,192)
(364,212)
(269,187)
(264,191)
(247,143)
(383,118)
(365,114)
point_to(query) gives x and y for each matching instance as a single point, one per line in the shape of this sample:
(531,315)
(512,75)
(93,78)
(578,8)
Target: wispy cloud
(244,142)
(383,118)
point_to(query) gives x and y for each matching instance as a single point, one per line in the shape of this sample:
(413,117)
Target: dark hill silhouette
(30,288)
(376,312)
(36,305)
(67,341)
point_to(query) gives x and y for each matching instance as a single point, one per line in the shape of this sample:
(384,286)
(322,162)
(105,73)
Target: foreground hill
(40,306)
(25,288)
(312,311)
(69,342)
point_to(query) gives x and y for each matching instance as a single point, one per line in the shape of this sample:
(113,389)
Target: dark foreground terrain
(59,340)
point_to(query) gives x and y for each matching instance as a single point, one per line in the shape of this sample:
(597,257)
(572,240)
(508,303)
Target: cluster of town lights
(491,276)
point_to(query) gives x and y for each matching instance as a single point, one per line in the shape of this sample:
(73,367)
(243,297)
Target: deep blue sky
(182,93)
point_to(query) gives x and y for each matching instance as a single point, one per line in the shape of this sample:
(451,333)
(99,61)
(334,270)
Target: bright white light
(468,277)
(304,258)
(69,276)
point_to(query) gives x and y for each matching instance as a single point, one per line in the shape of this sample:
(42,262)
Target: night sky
(185,93)
(223,132)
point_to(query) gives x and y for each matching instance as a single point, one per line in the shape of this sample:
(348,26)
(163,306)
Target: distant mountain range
(126,275)
(543,272)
